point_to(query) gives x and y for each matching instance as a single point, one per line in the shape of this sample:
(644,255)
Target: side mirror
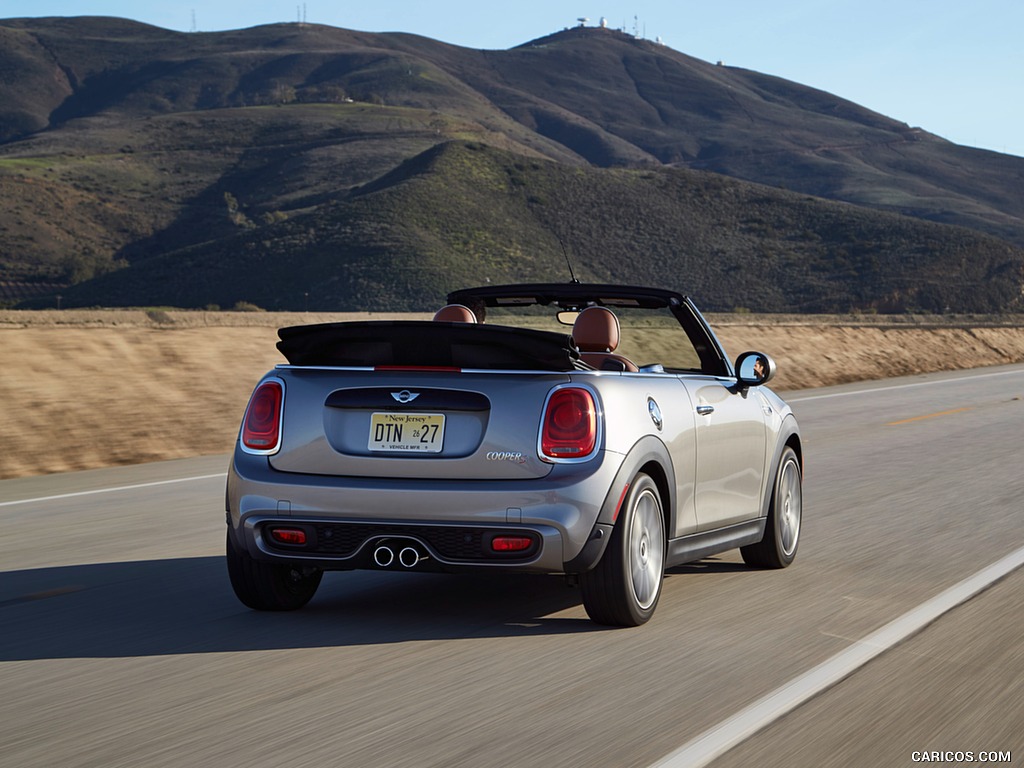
(754,369)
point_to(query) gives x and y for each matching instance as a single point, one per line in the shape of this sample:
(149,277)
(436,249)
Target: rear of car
(338,456)
(457,446)
(406,466)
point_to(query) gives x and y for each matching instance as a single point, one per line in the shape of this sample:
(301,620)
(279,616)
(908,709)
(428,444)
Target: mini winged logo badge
(405,396)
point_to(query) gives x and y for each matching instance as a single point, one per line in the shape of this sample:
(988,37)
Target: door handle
(705,410)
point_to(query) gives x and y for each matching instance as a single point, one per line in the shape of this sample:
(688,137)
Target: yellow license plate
(406,432)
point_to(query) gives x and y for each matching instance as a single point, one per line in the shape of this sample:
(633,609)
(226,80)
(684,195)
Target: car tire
(782,533)
(269,586)
(622,590)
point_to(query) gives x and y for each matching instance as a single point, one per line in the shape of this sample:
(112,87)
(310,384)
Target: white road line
(111,490)
(762,713)
(870,390)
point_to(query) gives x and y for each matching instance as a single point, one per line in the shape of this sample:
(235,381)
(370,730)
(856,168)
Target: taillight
(261,428)
(569,430)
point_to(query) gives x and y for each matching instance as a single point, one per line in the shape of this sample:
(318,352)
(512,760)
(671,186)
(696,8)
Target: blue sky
(954,69)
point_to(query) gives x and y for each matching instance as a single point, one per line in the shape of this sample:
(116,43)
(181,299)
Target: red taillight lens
(570,424)
(261,430)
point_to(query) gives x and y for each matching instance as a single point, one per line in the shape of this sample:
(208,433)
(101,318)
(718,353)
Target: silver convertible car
(597,431)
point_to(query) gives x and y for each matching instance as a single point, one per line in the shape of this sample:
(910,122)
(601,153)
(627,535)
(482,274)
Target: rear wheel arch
(656,472)
(624,587)
(648,456)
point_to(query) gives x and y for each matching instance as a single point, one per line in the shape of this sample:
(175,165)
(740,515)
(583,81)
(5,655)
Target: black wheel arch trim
(650,453)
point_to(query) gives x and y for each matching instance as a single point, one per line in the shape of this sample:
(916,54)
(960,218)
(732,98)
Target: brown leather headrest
(596,330)
(455,313)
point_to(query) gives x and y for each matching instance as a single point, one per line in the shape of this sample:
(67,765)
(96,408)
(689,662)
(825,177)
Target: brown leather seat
(455,313)
(596,333)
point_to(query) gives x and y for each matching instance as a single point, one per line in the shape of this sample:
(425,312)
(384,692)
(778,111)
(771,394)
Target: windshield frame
(576,296)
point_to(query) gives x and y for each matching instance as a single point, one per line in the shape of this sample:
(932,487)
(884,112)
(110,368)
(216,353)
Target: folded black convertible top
(424,343)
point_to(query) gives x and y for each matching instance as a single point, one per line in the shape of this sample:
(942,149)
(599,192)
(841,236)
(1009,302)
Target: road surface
(121,643)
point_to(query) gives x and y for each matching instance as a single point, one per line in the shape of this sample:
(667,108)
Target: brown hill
(464,213)
(124,143)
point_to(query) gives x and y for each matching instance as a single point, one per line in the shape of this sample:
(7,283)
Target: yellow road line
(929,416)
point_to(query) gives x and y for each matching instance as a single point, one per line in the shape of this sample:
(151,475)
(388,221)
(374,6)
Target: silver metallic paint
(715,469)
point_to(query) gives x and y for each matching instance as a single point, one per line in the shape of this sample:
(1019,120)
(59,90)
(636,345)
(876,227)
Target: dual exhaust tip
(408,557)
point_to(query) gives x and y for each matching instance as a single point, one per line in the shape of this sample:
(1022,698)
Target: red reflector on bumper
(511,543)
(293,536)
(618,507)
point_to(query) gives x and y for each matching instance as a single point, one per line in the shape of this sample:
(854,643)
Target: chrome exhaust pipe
(383,556)
(410,557)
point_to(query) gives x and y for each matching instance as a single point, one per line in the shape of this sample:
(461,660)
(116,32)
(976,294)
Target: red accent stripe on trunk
(439,368)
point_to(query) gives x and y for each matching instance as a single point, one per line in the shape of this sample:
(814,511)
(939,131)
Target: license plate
(406,432)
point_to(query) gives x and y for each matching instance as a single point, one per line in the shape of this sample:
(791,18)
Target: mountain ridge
(122,143)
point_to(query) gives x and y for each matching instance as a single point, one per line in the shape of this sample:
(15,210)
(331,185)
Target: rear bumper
(346,519)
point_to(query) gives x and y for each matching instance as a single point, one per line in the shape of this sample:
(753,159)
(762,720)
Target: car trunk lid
(413,423)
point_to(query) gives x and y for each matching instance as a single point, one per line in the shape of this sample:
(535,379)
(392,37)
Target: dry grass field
(87,389)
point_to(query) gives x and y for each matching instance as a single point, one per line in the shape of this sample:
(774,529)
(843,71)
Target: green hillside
(302,165)
(463,214)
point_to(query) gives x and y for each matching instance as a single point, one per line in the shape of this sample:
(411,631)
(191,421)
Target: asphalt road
(121,643)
